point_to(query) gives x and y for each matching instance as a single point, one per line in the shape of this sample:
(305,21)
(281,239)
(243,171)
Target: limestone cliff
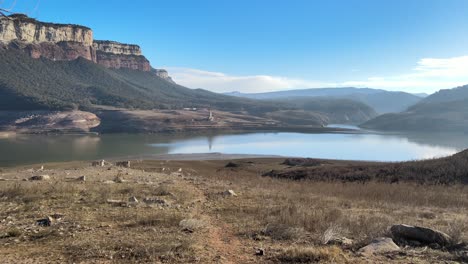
(28,30)
(117,55)
(163,74)
(67,42)
(116,47)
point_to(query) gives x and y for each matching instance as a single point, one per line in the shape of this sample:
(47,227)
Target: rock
(426,236)
(82,178)
(229,193)
(100,163)
(45,222)
(108,182)
(133,199)
(125,164)
(379,246)
(40,178)
(259,252)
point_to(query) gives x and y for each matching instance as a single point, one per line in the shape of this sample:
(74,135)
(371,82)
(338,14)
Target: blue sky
(260,45)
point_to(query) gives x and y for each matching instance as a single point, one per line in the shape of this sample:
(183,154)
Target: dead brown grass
(308,254)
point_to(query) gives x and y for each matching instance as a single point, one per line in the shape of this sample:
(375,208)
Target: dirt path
(220,243)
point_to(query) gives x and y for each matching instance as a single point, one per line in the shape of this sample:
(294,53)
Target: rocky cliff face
(163,74)
(117,55)
(28,30)
(116,47)
(67,42)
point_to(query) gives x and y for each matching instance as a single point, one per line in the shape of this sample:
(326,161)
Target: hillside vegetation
(35,84)
(446,110)
(449,170)
(28,84)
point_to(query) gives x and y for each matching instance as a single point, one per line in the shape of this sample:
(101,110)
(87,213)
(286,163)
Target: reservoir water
(31,149)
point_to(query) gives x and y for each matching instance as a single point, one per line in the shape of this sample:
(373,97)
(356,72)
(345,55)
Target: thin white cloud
(429,75)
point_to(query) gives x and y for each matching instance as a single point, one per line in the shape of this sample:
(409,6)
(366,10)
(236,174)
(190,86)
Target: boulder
(379,246)
(425,236)
(40,178)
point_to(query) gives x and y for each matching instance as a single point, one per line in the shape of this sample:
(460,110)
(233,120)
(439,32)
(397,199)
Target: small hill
(337,110)
(446,110)
(448,170)
(380,100)
(42,84)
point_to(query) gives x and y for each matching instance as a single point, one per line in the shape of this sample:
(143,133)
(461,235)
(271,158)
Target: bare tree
(5,11)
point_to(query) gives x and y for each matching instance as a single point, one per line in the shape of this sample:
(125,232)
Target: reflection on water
(22,149)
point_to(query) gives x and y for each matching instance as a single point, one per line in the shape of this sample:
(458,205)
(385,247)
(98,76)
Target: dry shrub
(456,229)
(334,231)
(307,254)
(131,250)
(283,232)
(157,219)
(192,224)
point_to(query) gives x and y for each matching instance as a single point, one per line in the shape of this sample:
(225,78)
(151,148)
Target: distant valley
(446,110)
(380,100)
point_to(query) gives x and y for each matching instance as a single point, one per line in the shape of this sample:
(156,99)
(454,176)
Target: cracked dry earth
(92,228)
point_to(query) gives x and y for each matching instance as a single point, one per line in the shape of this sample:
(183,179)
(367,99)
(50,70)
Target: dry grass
(308,254)
(292,220)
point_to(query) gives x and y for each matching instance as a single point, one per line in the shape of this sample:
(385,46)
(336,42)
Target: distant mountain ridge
(381,100)
(446,110)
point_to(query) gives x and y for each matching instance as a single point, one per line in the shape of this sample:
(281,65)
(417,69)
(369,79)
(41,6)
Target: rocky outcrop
(406,234)
(38,122)
(69,42)
(116,47)
(163,74)
(28,30)
(112,54)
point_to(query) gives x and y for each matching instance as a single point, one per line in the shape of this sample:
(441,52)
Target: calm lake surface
(31,149)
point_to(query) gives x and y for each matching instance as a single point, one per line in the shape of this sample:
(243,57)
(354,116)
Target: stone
(133,199)
(425,236)
(40,178)
(260,252)
(82,178)
(379,246)
(229,193)
(100,163)
(45,221)
(125,164)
